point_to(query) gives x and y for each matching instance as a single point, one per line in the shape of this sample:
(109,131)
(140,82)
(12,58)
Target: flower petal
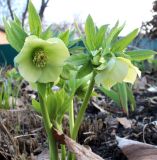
(57,51)
(30,44)
(133,71)
(28,71)
(49,74)
(115,72)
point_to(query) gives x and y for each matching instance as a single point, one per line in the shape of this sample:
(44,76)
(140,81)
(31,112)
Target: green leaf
(131,98)
(111,94)
(84,70)
(122,93)
(47,33)
(110,36)
(34,20)
(78,59)
(100,36)
(41,89)
(36,106)
(121,44)
(90,33)
(17,21)
(119,29)
(64,36)
(15,34)
(139,55)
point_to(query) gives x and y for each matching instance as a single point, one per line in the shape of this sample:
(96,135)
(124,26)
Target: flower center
(39,58)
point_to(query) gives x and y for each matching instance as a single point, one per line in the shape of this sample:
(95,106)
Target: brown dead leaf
(81,152)
(124,122)
(135,150)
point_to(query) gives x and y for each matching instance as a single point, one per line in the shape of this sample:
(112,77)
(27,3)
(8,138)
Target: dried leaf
(124,122)
(135,150)
(81,152)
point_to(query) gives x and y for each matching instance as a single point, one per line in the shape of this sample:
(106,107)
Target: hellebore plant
(46,62)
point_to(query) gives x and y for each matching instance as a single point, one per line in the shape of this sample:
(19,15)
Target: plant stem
(48,127)
(71,117)
(83,107)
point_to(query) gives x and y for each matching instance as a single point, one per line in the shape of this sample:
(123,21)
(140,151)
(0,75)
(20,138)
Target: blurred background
(63,13)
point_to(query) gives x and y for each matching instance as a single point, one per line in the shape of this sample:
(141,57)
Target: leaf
(100,36)
(139,55)
(124,122)
(111,94)
(121,44)
(34,20)
(47,33)
(15,34)
(90,33)
(84,70)
(131,98)
(80,151)
(119,29)
(135,150)
(64,36)
(110,36)
(78,59)
(36,105)
(122,92)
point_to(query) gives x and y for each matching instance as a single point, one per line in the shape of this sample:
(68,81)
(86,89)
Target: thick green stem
(48,127)
(83,107)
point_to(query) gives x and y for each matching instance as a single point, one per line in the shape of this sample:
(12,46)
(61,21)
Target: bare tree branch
(42,8)
(24,13)
(10,10)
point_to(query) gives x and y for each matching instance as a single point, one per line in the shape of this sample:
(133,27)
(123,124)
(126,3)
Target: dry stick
(5,130)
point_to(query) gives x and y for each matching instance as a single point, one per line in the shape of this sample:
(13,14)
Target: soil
(22,134)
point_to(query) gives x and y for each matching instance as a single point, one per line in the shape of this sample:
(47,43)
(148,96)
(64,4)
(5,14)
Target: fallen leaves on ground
(135,150)
(80,151)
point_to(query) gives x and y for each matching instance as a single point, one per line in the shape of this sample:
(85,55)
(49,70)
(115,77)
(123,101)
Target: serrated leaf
(64,36)
(78,59)
(15,34)
(84,70)
(100,36)
(34,20)
(121,44)
(47,33)
(119,29)
(138,55)
(90,33)
(17,21)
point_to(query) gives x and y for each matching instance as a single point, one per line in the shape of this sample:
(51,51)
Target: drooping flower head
(41,60)
(118,69)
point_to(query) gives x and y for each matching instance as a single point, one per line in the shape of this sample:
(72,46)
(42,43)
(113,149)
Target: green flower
(41,60)
(117,70)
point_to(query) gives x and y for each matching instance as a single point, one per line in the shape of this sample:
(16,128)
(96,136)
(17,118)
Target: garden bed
(22,133)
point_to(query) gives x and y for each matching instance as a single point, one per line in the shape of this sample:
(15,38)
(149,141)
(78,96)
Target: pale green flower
(118,69)
(41,60)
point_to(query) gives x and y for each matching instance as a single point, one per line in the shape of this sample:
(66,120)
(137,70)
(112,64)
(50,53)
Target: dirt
(22,133)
